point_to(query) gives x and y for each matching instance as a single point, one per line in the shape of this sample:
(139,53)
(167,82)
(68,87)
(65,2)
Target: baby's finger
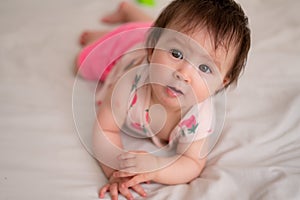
(140,190)
(113,189)
(125,192)
(126,155)
(103,190)
(136,180)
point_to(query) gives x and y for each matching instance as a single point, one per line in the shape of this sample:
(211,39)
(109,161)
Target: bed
(43,157)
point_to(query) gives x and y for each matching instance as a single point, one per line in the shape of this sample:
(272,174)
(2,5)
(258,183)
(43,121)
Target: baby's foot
(89,37)
(126,12)
(118,16)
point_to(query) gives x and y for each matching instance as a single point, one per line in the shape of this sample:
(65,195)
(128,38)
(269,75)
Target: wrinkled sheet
(42,156)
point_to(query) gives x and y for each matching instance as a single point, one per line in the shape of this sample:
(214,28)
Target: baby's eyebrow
(176,39)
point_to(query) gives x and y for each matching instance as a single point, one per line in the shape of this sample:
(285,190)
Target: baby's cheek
(213,85)
(201,90)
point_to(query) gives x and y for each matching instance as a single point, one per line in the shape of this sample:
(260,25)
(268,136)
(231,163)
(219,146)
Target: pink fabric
(96,60)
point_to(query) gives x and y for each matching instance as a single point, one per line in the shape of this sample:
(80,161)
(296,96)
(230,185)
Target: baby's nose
(183,74)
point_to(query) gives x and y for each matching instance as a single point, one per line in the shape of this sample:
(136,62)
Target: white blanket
(41,155)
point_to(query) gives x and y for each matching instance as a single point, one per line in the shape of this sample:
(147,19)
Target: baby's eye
(176,53)
(205,69)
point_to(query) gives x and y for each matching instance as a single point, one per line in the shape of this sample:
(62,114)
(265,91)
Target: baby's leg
(126,12)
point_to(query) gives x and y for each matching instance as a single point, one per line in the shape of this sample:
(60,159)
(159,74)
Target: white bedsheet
(41,156)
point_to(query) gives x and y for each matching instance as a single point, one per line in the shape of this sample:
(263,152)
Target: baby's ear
(226,81)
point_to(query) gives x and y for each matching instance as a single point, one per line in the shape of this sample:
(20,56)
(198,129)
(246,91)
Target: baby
(162,90)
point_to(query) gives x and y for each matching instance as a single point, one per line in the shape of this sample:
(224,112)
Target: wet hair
(225,21)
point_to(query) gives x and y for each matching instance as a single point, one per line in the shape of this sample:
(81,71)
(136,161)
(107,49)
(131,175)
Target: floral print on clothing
(140,125)
(136,81)
(133,100)
(188,126)
(147,116)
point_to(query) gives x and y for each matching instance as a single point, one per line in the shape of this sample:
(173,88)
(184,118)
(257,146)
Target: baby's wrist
(111,176)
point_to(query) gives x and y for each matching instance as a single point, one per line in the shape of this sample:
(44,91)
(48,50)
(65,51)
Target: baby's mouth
(174,92)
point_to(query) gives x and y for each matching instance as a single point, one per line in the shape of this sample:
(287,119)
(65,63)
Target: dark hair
(224,19)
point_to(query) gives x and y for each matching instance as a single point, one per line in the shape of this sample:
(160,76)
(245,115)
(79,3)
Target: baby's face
(187,68)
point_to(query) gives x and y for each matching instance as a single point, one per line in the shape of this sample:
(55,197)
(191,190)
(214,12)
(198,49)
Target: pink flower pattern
(190,124)
(133,102)
(137,125)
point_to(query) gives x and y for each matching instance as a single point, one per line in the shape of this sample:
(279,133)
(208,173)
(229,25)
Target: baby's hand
(136,162)
(118,185)
(134,180)
(139,165)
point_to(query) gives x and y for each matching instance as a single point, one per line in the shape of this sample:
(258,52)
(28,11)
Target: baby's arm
(107,144)
(188,164)
(111,115)
(164,169)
